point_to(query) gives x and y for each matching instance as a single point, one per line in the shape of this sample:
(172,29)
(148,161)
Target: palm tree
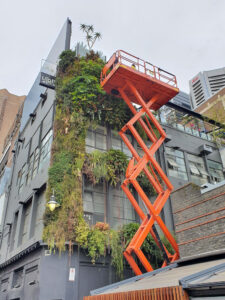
(91,35)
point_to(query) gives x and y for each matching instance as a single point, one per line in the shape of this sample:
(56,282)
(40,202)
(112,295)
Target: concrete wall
(45,276)
(199,219)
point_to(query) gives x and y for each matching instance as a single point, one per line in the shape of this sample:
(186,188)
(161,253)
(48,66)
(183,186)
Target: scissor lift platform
(148,79)
(137,81)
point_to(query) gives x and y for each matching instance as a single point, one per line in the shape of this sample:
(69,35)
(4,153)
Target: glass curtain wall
(216,171)
(176,163)
(199,174)
(96,197)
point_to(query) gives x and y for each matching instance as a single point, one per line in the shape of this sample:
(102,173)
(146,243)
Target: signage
(47,80)
(194,79)
(72,274)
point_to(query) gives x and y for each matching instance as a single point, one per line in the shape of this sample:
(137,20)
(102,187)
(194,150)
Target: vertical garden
(81,103)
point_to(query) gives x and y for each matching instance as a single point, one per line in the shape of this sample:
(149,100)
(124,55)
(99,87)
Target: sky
(182,37)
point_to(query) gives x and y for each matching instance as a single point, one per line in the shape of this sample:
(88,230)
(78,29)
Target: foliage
(149,247)
(109,166)
(80,88)
(66,59)
(91,35)
(145,184)
(80,101)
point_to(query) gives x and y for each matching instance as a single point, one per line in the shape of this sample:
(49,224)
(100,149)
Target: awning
(172,162)
(203,171)
(194,169)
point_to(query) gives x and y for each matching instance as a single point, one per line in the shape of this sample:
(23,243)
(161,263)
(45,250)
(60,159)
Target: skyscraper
(206,84)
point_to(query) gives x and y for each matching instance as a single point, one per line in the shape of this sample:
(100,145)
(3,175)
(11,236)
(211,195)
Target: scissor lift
(137,81)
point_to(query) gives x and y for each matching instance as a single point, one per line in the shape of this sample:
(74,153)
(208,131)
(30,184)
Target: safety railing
(123,58)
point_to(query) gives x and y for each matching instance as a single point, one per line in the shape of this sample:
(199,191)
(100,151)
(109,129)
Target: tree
(91,35)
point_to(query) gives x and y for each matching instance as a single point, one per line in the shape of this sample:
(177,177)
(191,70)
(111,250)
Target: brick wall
(199,219)
(9,107)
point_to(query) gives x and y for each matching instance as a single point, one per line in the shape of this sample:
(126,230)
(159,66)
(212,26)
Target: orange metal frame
(137,81)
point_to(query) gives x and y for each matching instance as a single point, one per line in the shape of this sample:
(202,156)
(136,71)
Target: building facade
(10,106)
(27,269)
(199,218)
(206,84)
(182,99)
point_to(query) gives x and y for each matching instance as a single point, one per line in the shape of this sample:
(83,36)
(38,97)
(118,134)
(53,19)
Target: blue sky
(182,37)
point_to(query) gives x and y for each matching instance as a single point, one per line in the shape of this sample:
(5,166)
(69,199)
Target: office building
(28,270)
(205,84)
(10,105)
(182,99)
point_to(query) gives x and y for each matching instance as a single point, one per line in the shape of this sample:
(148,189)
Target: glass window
(203,135)
(188,130)
(30,168)
(176,164)
(195,132)
(45,150)
(22,177)
(14,229)
(215,170)
(27,211)
(36,158)
(17,278)
(2,202)
(122,209)
(118,144)
(39,213)
(180,127)
(94,200)
(198,171)
(96,139)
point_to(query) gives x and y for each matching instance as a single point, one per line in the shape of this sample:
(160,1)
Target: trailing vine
(81,102)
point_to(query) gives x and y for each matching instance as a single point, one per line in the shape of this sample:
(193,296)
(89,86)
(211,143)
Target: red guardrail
(124,58)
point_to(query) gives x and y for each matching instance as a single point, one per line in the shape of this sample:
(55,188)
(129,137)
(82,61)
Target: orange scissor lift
(139,82)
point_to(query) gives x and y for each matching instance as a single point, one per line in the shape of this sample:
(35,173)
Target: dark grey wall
(62,42)
(188,144)
(45,276)
(32,134)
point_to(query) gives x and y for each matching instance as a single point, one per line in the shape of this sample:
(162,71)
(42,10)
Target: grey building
(206,84)
(182,99)
(27,269)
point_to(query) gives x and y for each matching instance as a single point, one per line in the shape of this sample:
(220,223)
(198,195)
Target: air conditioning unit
(205,149)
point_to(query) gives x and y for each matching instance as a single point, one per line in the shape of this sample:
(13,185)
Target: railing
(187,129)
(124,58)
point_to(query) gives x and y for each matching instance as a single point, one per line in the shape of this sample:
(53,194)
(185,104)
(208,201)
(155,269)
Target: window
(40,209)
(33,117)
(122,209)
(2,202)
(94,203)
(4,285)
(45,149)
(27,211)
(176,164)
(14,229)
(18,177)
(215,170)
(118,144)
(17,278)
(36,159)
(96,139)
(30,168)
(198,171)
(21,177)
